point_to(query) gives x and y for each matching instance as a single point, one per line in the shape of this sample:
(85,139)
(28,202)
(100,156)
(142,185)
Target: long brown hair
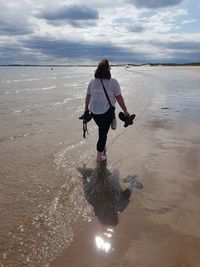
(103,70)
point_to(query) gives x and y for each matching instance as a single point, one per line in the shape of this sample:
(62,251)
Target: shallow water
(42,197)
(41,147)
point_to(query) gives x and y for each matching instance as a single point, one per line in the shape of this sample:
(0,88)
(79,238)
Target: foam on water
(63,102)
(21,91)
(60,157)
(20,80)
(14,137)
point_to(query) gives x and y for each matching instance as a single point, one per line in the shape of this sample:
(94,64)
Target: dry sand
(160,226)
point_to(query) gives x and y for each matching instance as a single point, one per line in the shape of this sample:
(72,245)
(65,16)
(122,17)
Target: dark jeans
(103,121)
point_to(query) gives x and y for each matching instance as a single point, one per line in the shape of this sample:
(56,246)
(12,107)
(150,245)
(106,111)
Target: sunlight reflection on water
(104,244)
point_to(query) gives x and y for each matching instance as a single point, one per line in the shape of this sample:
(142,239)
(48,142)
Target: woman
(99,105)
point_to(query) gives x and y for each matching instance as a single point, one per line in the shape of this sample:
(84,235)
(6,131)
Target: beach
(60,209)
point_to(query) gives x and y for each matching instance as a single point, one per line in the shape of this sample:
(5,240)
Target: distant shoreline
(92,65)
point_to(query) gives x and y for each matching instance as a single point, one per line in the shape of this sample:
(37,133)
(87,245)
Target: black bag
(111,109)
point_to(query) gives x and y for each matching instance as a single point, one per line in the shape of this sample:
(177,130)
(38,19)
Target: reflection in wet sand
(102,244)
(103,191)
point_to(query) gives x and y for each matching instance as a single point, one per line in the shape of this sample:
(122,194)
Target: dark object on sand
(165,108)
(127,120)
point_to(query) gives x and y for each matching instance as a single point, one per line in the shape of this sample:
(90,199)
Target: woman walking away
(102,93)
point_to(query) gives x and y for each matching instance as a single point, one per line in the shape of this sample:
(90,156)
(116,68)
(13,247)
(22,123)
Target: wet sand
(160,224)
(59,209)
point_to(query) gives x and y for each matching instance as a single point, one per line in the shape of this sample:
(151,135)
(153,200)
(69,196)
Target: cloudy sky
(84,31)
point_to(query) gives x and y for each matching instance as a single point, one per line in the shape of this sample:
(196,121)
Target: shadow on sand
(103,191)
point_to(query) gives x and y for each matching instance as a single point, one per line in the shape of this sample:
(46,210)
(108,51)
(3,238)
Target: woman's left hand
(126,114)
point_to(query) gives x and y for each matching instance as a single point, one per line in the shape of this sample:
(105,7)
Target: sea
(42,146)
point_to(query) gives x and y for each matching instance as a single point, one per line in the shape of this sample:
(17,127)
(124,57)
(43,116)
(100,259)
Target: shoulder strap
(106,93)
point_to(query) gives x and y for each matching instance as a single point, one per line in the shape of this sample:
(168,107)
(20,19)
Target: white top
(98,101)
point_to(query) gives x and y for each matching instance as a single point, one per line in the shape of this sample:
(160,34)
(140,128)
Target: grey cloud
(136,28)
(15,18)
(14,54)
(81,24)
(74,23)
(59,49)
(180,51)
(11,27)
(42,51)
(186,57)
(178,45)
(71,13)
(154,3)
